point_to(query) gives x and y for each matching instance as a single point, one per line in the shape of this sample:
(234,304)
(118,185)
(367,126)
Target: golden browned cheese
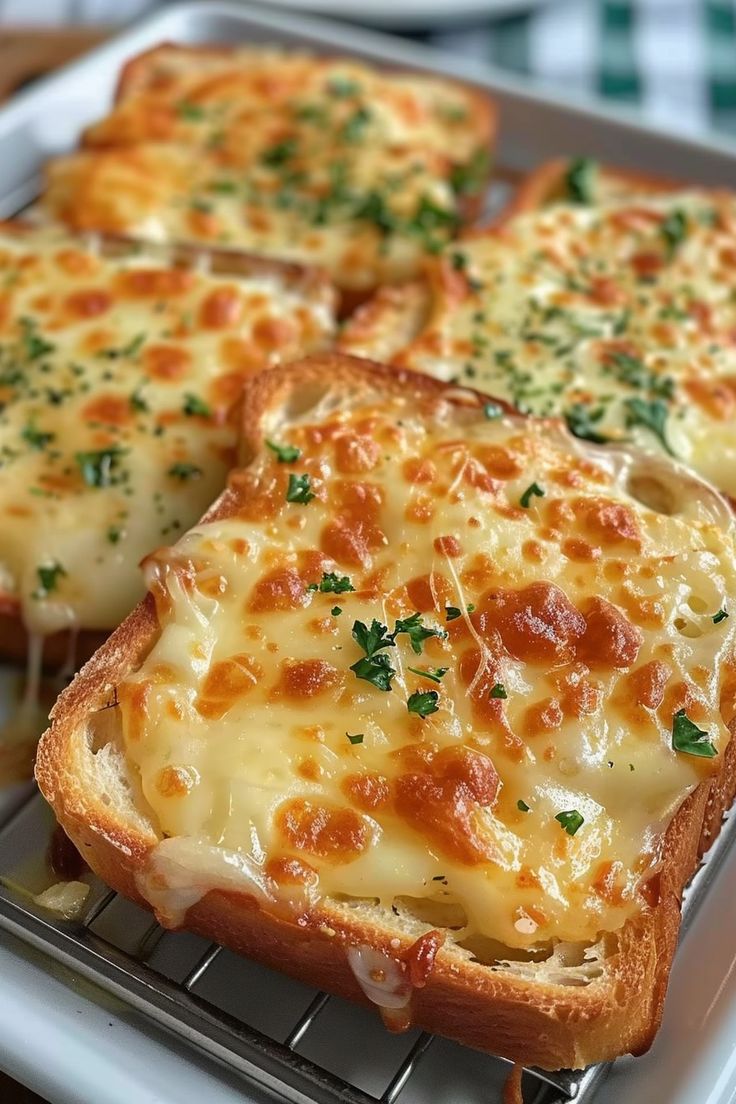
(475,703)
(323,161)
(620,316)
(118,380)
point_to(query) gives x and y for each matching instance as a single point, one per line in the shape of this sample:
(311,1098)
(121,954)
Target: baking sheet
(46,120)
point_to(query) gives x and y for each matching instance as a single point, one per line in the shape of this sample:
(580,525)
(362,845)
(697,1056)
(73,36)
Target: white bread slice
(617,315)
(568,1003)
(105,346)
(316,160)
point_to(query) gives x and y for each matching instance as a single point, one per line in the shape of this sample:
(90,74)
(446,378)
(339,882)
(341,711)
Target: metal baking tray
(289,1041)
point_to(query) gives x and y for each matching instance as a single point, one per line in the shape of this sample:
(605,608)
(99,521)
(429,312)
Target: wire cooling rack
(298,1044)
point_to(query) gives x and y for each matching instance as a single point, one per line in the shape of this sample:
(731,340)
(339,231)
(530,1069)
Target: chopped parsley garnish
(570,821)
(580,180)
(522,806)
(354,128)
(526,498)
(223,187)
(285,454)
(423,702)
(469,178)
(113,534)
(499,691)
(34,346)
(436,674)
(652,415)
(720,616)
(194,406)
(336,611)
(100,468)
(630,369)
(192,113)
(372,639)
(34,437)
(492,410)
(137,402)
(355,739)
(581,421)
(376,669)
(429,220)
(182,470)
(452,613)
(280,153)
(127,352)
(674,231)
(48,577)
(299,489)
(690,739)
(202,205)
(415,630)
(373,208)
(343,88)
(330,583)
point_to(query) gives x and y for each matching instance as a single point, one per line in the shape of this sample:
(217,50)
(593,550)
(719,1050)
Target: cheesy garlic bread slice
(427,711)
(619,317)
(318,160)
(120,375)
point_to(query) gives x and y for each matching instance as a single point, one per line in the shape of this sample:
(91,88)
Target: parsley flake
(375,669)
(522,806)
(299,489)
(690,739)
(526,498)
(372,639)
(720,616)
(357,738)
(34,346)
(127,352)
(285,454)
(194,406)
(570,821)
(336,611)
(415,630)
(581,422)
(436,674)
(330,583)
(499,691)
(652,415)
(580,180)
(191,112)
(280,153)
(674,232)
(35,437)
(48,577)
(183,471)
(423,702)
(100,468)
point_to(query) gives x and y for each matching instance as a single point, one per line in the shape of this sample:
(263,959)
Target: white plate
(411,13)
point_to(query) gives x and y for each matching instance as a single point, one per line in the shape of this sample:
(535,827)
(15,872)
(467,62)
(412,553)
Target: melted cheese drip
(108,354)
(603,314)
(241,711)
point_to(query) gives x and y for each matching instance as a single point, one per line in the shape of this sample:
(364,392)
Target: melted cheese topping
(117,381)
(221,99)
(366,218)
(568,624)
(622,318)
(325,161)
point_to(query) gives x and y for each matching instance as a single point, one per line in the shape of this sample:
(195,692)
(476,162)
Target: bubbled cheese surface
(117,381)
(619,316)
(592,613)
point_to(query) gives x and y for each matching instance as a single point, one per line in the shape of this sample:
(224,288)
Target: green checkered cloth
(676,58)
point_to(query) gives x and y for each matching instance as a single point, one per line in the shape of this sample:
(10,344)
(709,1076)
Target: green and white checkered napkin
(677,58)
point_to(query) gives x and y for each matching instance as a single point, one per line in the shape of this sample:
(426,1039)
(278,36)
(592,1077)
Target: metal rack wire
(100,949)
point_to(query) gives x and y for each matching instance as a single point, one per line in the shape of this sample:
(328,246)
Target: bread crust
(538,1021)
(544,184)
